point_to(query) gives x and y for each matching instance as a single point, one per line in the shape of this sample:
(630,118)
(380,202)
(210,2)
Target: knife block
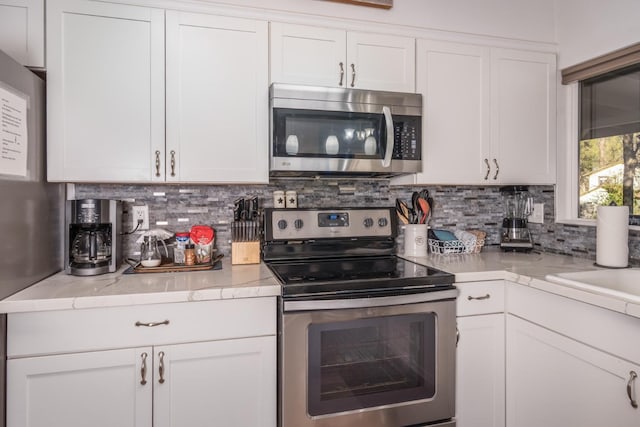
(245,252)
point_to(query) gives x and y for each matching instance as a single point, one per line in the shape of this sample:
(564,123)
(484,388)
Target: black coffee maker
(93,242)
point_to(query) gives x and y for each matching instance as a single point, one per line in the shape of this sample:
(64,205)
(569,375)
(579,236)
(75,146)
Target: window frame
(567,185)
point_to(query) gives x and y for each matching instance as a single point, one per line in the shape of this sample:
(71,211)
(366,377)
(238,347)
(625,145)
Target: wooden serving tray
(215,264)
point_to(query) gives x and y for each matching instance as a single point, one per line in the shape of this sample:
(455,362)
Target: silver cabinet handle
(457,335)
(483,297)
(497,169)
(388,120)
(353,75)
(157,163)
(486,162)
(161,367)
(630,390)
(173,163)
(151,324)
(143,369)
(341,73)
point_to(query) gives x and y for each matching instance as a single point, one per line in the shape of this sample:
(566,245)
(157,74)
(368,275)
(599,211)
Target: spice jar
(189,254)
(178,252)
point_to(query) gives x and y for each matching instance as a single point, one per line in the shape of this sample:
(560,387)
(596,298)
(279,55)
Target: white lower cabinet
(554,381)
(227,380)
(480,391)
(224,383)
(99,388)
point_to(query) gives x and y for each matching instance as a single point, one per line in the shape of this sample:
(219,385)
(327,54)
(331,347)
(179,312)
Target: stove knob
(298,224)
(382,222)
(368,222)
(282,224)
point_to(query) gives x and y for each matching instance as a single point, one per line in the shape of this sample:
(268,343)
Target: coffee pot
(90,246)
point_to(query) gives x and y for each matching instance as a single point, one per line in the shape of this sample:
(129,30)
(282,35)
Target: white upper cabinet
(307,55)
(105,91)
(453,80)
(302,54)
(22,31)
(489,115)
(523,117)
(217,99)
(381,62)
(106,109)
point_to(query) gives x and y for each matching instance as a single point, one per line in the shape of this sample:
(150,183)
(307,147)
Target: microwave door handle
(388,119)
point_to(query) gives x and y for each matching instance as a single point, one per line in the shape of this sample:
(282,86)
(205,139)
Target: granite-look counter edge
(528,269)
(62,291)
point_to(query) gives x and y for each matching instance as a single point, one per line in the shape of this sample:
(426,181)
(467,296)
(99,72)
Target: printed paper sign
(13,134)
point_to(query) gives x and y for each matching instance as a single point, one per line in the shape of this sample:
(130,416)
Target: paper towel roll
(612,236)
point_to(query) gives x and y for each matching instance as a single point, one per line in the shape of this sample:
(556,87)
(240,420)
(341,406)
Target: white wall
(590,28)
(518,19)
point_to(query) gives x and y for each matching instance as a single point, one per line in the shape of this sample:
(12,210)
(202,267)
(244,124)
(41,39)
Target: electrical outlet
(140,213)
(537,216)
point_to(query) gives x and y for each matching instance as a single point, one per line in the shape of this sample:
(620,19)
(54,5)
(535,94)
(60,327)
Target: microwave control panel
(407,132)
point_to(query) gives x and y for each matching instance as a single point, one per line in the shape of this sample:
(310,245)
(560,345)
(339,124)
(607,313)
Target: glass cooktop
(357,277)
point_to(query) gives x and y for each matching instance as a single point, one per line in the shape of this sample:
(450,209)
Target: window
(609,142)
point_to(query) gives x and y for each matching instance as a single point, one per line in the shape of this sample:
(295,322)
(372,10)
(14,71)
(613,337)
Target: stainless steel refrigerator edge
(31,210)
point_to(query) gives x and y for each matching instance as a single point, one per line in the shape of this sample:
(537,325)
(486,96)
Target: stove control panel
(292,224)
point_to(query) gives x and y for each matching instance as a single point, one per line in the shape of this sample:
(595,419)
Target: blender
(515,235)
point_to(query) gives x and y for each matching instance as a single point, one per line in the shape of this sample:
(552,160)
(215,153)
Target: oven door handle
(341,304)
(388,120)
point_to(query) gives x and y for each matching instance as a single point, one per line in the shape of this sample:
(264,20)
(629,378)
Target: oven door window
(371,362)
(330,134)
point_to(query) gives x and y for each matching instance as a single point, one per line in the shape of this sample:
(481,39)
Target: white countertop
(527,269)
(62,291)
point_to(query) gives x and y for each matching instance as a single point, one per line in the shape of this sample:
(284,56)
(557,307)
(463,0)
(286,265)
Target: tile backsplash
(178,207)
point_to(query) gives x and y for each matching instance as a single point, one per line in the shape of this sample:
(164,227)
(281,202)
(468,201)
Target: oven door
(373,362)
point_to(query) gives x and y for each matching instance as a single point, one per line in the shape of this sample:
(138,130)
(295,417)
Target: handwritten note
(13,134)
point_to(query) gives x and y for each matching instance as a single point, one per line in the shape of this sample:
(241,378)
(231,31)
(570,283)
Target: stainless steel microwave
(318,131)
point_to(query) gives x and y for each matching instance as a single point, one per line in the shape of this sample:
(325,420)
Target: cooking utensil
(424,210)
(417,209)
(403,212)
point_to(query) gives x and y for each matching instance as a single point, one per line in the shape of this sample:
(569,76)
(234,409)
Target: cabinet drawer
(480,298)
(65,331)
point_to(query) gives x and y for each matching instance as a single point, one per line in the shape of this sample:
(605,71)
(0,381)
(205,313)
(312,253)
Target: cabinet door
(217,99)
(105,90)
(223,383)
(523,117)
(22,31)
(98,389)
(381,62)
(554,381)
(480,390)
(307,55)
(453,79)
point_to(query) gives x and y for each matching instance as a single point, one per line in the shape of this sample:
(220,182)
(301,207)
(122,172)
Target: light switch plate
(537,216)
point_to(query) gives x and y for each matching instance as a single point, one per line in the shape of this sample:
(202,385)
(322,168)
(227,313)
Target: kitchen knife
(238,207)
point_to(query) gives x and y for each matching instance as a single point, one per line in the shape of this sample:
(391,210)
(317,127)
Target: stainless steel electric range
(366,338)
